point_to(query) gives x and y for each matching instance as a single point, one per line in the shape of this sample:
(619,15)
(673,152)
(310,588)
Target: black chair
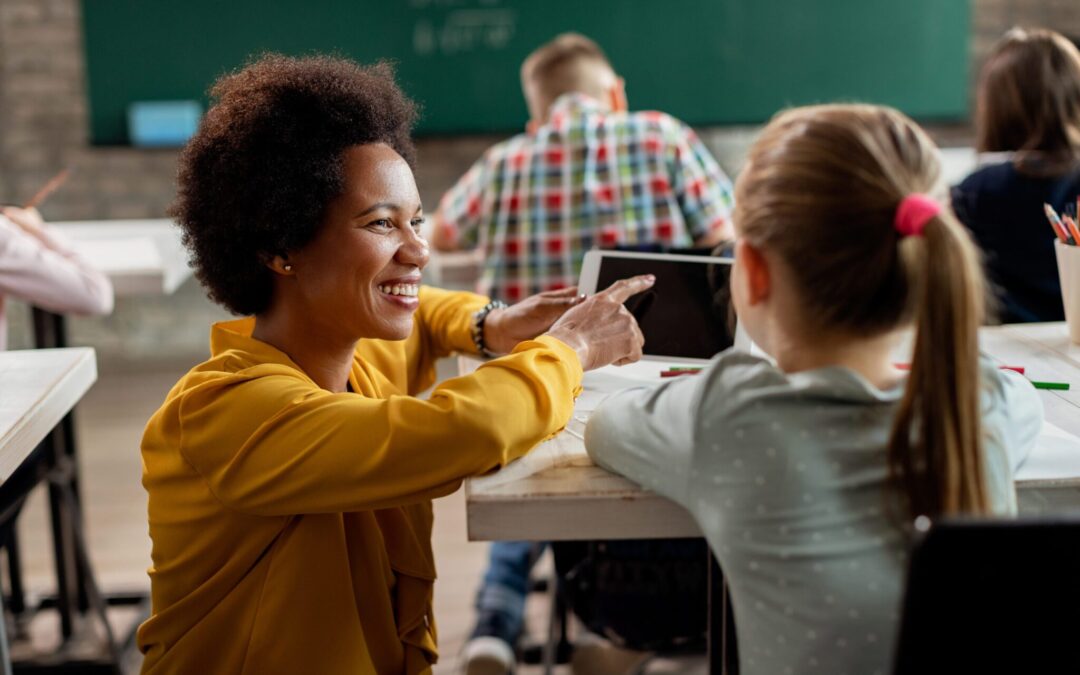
(992,596)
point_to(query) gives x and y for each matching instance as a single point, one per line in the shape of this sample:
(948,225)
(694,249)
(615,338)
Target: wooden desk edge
(647,516)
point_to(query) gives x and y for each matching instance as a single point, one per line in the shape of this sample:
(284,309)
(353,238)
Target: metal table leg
(5,653)
(50,332)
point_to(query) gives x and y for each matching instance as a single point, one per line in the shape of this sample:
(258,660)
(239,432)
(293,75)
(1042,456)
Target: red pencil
(1055,222)
(1074,231)
(677,373)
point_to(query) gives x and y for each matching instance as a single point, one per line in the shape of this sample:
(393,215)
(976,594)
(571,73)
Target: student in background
(586,173)
(804,472)
(1028,116)
(39,267)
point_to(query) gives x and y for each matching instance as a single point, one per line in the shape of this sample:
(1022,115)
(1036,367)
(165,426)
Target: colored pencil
(1074,231)
(678,373)
(1055,222)
(686,368)
(48,188)
(1064,386)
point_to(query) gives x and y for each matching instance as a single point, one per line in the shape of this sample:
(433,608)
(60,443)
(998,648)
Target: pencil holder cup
(1068,261)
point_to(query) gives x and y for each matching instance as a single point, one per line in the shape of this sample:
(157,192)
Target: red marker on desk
(676,371)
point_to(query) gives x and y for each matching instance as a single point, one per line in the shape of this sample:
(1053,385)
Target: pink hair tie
(914,212)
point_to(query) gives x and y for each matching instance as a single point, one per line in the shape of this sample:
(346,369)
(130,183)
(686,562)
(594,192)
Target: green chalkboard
(705,61)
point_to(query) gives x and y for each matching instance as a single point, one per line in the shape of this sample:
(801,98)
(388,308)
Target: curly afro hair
(255,180)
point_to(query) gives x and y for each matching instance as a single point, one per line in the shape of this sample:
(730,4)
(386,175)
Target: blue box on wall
(162,124)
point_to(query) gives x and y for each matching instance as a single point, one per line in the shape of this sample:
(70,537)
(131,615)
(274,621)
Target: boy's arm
(456,223)
(442,235)
(703,190)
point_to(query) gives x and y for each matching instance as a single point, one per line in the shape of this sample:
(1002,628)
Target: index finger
(623,289)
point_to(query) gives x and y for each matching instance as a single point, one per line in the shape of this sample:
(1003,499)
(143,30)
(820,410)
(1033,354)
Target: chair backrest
(993,596)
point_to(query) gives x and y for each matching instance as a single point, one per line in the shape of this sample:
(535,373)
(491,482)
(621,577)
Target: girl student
(803,470)
(1027,129)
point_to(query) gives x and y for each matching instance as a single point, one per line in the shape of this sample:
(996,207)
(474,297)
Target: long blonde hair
(821,189)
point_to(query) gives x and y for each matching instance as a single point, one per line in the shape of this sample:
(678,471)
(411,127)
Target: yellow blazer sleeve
(443,325)
(445,319)
(268,442)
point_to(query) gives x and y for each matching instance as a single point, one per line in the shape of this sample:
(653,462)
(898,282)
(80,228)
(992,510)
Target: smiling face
(360,274)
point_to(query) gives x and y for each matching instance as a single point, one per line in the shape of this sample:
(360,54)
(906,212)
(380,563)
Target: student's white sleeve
(50,275)
(1014,410)
(647,434)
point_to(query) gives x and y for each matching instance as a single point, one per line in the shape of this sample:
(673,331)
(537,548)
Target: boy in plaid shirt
(586,174)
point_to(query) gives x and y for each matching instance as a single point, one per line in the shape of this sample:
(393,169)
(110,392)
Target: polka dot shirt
(786,476)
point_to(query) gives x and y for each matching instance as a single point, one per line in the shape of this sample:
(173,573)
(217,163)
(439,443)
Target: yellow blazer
(291,526)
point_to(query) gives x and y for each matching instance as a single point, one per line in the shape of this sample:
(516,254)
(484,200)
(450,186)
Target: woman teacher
(290,476)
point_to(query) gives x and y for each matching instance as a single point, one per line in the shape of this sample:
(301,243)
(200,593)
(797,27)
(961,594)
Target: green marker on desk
(1064,386)
(686,368)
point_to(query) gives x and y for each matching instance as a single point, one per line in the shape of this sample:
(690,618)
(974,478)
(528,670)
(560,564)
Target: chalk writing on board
(465,30)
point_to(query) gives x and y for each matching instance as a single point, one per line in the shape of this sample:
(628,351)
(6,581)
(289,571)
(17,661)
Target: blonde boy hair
(569,63)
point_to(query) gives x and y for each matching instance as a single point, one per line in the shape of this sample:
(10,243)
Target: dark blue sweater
(1003,208)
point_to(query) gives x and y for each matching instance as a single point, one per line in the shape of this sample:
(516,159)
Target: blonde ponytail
(935,452)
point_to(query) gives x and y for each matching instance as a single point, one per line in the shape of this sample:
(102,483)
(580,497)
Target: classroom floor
(110,421)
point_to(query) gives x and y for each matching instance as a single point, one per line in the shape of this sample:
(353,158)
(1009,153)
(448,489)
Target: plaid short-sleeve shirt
(586,179)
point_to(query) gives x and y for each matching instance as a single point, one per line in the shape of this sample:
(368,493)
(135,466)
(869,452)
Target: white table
(957,163)
(556,493)
(37,390)
(140,257)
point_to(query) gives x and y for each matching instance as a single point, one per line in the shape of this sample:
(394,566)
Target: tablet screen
(687,313)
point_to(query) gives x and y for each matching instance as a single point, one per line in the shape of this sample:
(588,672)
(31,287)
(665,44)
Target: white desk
(958,163)
(556,493)
(37,390)
(140,257)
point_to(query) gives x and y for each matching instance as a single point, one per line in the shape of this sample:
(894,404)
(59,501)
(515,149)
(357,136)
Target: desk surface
(39,387)
(557,493)
(140,257)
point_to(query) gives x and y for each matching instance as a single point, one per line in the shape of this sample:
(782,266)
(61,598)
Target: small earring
(288,267)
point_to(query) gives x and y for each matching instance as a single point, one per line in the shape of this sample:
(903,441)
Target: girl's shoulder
(735,371)
(737,374)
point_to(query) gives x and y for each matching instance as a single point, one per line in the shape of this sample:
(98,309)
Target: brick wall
(43,127)
(991,18)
